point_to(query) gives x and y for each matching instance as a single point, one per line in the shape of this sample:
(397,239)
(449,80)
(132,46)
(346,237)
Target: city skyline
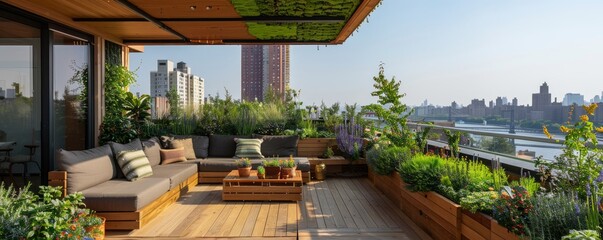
(442,52)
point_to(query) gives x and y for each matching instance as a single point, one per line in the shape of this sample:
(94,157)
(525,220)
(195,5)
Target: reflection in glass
(20,101)
(70,81)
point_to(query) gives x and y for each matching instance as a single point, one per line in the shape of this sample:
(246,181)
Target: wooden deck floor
(335,208)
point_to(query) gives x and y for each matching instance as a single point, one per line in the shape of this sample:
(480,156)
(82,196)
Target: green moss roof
(301,31)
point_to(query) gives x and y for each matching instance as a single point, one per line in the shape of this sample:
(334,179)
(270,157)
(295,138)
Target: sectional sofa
(127,204)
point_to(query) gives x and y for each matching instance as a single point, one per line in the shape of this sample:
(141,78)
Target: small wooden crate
(253,189)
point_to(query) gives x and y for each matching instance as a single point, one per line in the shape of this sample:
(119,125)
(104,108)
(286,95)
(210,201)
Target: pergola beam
(244,19)
(152,19)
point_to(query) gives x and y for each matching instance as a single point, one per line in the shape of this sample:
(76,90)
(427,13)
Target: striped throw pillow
(248,148)
(134,164)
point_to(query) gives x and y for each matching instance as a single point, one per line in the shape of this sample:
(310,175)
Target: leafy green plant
(243,162)
(579,164)
(288,163)
(582,235)
(455,179)
(271,163)
(116,126)
(529,183)
(328,153)
(454,139)
(422,173)
(394,116)
(385,160)
(479,201)
(25,215)
(261,170)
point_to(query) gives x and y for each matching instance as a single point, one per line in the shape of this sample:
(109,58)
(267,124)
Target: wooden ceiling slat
(182,8)
(212,30)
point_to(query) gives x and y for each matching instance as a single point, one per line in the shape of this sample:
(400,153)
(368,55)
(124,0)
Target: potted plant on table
(261,172)
(244,167)
(288,168)
(273,168)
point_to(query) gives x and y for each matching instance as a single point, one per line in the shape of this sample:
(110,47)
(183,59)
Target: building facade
(189,87)
(264,67)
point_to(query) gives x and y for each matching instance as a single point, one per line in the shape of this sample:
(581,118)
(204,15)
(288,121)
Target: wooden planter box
(436,215)
(482,226)
(314,147)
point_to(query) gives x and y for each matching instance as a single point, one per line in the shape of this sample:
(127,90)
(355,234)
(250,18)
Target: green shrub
(422,172)
(25,215)
(479,201)
(385,160)
(529,183)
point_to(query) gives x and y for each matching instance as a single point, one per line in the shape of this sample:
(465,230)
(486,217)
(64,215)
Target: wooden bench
(132,220)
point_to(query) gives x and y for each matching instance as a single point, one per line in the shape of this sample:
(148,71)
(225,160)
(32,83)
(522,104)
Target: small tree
(174,101)
(391,110)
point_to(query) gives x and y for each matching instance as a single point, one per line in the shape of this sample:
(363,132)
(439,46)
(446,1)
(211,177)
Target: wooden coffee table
(253,189)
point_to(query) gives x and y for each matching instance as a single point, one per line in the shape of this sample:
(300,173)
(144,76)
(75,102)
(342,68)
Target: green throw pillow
(248,148)
(134,164)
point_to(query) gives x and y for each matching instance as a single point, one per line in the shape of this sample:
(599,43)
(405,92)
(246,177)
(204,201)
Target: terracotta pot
(244,171)
(289,172)
(101,230)
(261,176)
(272,172)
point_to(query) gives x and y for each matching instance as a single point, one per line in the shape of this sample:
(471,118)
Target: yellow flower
(546,132)
(599,129)
(564,129)
(590,109)
(584,118)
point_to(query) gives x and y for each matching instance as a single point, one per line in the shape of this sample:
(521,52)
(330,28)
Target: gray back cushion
(86,168)
(281,146)
(134,145)
(151,148)
(200,144)
(223,145)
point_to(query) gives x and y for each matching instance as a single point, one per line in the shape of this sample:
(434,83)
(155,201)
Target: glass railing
(495,143)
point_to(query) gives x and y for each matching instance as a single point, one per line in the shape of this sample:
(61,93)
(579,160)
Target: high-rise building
(190,88)
(264,67)
(542,99)
(573,98)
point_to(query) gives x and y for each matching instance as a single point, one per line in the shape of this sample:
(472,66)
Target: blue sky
(442,51)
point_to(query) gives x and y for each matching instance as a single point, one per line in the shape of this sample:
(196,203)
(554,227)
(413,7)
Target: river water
(546,150)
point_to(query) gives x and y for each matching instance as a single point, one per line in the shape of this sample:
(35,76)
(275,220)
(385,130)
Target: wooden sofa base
(216,177)
(133,220)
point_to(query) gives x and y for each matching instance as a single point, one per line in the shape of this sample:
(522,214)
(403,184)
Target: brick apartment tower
(264,67)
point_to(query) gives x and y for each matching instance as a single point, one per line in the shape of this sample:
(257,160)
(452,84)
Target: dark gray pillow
(200,144)
(223,145)
(117,148)
(281,146)
(151,149)
(87,168)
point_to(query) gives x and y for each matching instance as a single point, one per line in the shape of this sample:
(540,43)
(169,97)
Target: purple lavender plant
(349,139)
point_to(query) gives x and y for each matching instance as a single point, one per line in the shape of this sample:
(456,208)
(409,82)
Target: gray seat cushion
(121,195)
(87,168)
(151,148)
(228,164)
(176,173)
(200,144)
(281,146)
(223,146)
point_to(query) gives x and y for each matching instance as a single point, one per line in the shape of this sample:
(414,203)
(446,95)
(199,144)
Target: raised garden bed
(436,215)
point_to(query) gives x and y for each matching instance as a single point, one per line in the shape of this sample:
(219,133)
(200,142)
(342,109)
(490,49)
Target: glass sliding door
(20,100)
(70,74)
